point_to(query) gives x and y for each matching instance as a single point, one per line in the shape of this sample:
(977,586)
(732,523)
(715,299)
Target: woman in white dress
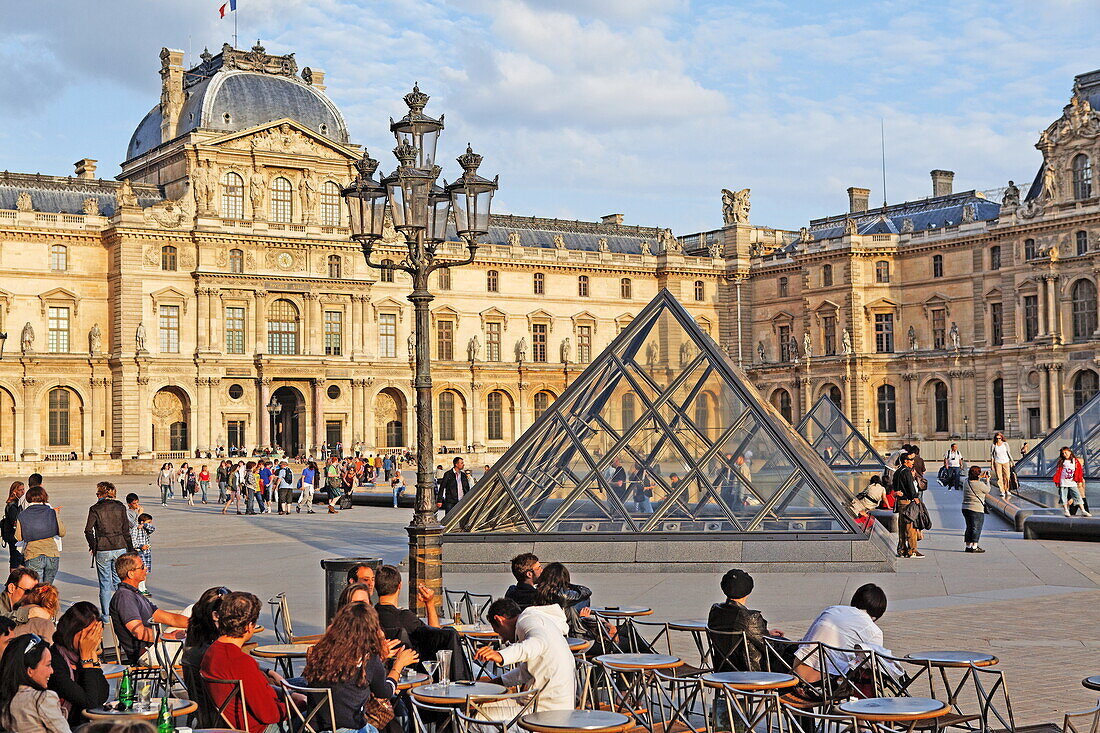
(1000,457)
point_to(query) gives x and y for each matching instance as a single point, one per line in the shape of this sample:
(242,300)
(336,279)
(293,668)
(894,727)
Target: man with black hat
(732,615)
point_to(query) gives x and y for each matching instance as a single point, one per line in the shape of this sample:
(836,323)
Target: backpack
(287,475)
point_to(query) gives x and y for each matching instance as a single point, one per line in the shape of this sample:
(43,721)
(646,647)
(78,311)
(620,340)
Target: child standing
(142,539)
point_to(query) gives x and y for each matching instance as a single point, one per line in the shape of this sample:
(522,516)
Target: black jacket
(108,527)
(449,487)
(732,616)
(522,593)
(905,481)
(89,689)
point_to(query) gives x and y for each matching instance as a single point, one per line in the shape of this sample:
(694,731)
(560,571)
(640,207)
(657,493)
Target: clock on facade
(285,260)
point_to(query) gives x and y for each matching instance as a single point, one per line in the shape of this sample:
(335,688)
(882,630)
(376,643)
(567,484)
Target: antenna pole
(882,138)
(234,28)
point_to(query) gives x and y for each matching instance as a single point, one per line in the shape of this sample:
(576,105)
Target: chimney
(941,182)
(85,168)
(857,199)
(314,77)
(171,91)
(612,219)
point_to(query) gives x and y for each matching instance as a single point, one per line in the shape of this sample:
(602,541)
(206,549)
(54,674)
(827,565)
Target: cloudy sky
(588,107)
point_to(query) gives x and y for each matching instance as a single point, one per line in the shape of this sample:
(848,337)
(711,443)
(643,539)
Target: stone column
(217,316)
(32,435)
(474,415)
(356,411)
(1058,396)
(261,410)
(202,428)
(1053,324)
(355,325)
(213,422)
(1044,397)
(259,317)
(203,330)
(317,328)
(318,414)
(99,409)
(521,421)
(1044,321)
(145,421)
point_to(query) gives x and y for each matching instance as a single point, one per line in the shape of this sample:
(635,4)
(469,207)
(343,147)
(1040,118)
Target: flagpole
(234,27)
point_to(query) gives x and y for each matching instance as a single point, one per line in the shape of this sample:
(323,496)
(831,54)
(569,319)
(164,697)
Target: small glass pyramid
(1081,433)
(837,440)
(661,434)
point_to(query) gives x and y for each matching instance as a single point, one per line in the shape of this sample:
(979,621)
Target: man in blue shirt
(265,485)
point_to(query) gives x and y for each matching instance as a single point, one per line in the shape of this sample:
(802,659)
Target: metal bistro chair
(477,716)
(1087,721)
(472,605)
(431,718)
(236,694)
(153,675)
(808,721)
(281,623)
(680,703)
(778,658)
(728,651)
(169,661)
(904,677)
(752,710)
(993,698)
(313,718)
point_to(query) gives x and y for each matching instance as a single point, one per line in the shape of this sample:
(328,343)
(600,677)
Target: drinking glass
(443,657)
(429,667)
(145,696)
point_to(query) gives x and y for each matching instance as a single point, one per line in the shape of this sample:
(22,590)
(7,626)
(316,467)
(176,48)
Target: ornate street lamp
(420,210)
(273,408)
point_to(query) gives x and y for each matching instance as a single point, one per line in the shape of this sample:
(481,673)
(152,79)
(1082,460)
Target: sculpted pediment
(287,137)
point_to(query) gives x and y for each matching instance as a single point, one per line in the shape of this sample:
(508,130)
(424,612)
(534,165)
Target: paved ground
(1032,603)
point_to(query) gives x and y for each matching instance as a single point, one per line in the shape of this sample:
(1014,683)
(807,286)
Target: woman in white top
(164,482)
(1070,479)
(1000,456)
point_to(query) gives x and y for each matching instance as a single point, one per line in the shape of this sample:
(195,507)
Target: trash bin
(336,578)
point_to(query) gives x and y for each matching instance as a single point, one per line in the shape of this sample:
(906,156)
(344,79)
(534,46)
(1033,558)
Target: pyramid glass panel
(661,434)
(1081,434)
(837,440)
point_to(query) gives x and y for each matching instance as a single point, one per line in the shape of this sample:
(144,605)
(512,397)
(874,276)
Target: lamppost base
(425,562)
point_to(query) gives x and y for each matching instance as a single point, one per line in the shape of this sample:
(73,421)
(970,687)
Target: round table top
(283,651)
(639,661)
(578,645)
(954,658)
(112,671)
(750,680)
(688,624)
(1092,683)
(413,679)
(572,720)
(624,611)
(888,709)
(454,693)
(474,630)
(179,707)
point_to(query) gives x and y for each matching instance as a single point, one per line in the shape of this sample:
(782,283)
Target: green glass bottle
(164,718)
(125,691)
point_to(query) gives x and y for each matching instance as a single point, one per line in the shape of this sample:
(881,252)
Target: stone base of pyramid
(873,554)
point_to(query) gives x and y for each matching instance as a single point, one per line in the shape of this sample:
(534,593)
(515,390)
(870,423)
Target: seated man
(538,649)
(844,627)
(361,572)
(405,626)
(733,615)
(19,582)
(133,615)
(225,660)
(526,569)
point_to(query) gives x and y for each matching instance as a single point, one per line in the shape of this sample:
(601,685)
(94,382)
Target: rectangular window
(387,335)
(1031,317)
(234,429)
(492,341)
(884,333)
(995,257)
(538,341)
(170,329)
(334,333)
(828,335)
(234,330)
(445,340)
(584,344)
(784,343)
(58,337)
(939,328)
(996,324)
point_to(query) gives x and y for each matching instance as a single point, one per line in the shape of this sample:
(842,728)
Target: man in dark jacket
(908,497)
(734,616)
(455,485)
(108,533)
(526,569)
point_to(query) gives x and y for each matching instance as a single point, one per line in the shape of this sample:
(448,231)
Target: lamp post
(420,210)
(966,427)
(273,408)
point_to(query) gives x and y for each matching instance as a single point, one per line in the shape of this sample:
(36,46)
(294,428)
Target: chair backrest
(798,719)
(429,718)
(232,702)
(113,652)
(507,707)
(153,675)
(728,651)
(680,702)
(168,654)
(1086,721)
(646,637)
(599,627)
(472,605)
(747,710)
(316,715)
(902,677)
(993,697)
(586,688)
(280,618)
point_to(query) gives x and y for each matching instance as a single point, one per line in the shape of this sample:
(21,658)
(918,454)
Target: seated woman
(25,703)
(554,587)
(41,604)
(201,633)
(350,661)
(77,677)
(354,593)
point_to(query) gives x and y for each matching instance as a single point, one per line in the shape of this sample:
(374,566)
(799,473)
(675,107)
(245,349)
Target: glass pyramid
(660,435)
(1081,433)
(837,440)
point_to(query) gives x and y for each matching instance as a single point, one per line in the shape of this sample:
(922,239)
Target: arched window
(330,204)
(59,257)
(443,278)
(1082,239)
(447,416)
(781,400)
(494,404)
(995,257)
(1084,310)
(627,410)
(882,271)
(168,258)
(282,328)
(1030,252)
(784,287)
(835,395)
(702,412)
(492,281)
(335,267)
(542,401)
(939,397)
(1085,386)
(700,290)
(236,260)
(582,286)
(59,416)
(827,275)
(386,275)
(232,196)
(539,283)
(282,200)
(1082,177)
(887,409)
(937,265)
(625,289)
(998,404)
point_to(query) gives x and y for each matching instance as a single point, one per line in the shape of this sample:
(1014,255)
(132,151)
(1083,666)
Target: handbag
(378,712)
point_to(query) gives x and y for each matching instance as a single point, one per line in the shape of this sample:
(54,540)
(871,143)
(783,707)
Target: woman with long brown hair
(350,660)
(1070,480)
(7,526)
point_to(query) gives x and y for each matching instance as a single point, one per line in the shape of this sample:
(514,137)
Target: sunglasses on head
(32,642)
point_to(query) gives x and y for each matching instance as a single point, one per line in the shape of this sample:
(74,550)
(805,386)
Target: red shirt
(224,661)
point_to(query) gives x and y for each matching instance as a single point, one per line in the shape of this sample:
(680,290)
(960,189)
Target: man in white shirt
(953,461)
(538,649)
(843,627)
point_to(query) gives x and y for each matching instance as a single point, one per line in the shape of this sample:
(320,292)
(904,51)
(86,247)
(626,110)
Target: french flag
(232,5)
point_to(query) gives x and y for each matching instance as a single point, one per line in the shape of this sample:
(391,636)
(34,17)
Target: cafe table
(749,681)
(577,645)
(946,661)
(697,627)
(911,710)
(1092,683)
(112,671)
(622,617)
(453,694)
(177,706)
(576,721)
(283,654)
(410,679)
(636,671)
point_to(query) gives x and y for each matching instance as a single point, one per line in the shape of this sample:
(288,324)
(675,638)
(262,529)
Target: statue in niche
(792,344)
(95,339)
(139,336)
(1050,182)
(256,187)
(202,179)
(308,193)
(26,339)
(807,345)
(846,342)
(651,353)
(953,334)
(912,339)
(566,350)
(521,349)
(411,341)
(761,352)
(473,347)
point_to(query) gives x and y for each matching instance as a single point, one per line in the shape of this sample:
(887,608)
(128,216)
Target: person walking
(397,487)
(455,484)
(234,485)
(190,486)
(108,533)
(973,508)
(181,478)
(251,486)
(1069,477)
(7,525)
(1000,457)
(204,481)
(224,469)
(284,481)
(307,482)
(908,505)
(952,461)
(164,482)
(40,527)
(332,483)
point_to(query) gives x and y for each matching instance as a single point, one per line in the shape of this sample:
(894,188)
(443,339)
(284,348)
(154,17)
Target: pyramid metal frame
(559,465)
(1080,431)
(839,443)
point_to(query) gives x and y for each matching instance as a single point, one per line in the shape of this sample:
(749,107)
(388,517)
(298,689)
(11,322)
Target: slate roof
(578,235)
(60,194)
(926,214)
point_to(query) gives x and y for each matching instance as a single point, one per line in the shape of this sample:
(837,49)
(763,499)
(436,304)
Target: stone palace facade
(211,295)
